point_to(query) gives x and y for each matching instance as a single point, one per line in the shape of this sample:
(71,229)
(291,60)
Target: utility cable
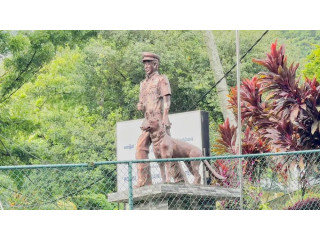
(227,73)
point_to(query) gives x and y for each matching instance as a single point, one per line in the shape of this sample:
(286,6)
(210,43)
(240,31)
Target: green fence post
(130,186)
(241,183)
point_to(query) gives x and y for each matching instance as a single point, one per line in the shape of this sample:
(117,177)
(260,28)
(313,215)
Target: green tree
(312,67)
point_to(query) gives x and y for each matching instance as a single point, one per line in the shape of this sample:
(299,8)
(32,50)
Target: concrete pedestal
(176,197)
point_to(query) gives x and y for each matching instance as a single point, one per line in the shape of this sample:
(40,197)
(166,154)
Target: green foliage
(63,129)
(6,185)
(93,201)
(299,44)
(312,68)
(58,188)
(296,197)
(253,197)
(30,51)
(62,92)
(4,36)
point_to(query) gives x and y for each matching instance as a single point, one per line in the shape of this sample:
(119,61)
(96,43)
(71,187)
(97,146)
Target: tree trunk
(222,87)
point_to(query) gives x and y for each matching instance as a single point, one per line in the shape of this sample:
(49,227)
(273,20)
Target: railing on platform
(288,180)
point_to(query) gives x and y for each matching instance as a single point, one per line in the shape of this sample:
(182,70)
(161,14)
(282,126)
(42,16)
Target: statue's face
(149,67)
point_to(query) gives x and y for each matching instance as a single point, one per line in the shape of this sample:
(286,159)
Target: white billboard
(187,126)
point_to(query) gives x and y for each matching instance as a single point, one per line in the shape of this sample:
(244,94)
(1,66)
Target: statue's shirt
(152,90)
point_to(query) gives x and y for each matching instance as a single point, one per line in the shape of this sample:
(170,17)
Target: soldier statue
(154,102)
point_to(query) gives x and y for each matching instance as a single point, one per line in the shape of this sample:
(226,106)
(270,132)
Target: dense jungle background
(62,92)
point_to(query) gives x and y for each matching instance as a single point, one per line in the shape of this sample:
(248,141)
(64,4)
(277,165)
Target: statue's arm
(166,94)
(166,109)
(140,103)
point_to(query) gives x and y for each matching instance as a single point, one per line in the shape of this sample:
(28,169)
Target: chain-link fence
(267,181)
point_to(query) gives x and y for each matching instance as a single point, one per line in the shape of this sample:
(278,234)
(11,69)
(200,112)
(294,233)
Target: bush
(93,201)
(307,204)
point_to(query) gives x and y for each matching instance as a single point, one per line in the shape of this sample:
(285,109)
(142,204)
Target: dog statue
(164,146)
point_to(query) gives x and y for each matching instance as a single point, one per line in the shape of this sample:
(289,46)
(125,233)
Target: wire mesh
(270,181)
(64,187)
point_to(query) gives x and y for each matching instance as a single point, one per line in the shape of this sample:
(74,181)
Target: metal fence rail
(288,180)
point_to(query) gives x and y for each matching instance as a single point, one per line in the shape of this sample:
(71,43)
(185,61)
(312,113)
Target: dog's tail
(217,175)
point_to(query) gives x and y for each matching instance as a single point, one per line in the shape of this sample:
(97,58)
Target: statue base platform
(176,197)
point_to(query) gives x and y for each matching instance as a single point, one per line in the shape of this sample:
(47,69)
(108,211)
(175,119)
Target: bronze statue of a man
(154,101)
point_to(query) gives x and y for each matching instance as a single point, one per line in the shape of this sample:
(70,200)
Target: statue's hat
(149,56)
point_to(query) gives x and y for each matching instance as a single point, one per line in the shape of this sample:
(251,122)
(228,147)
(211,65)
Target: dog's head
(151,125)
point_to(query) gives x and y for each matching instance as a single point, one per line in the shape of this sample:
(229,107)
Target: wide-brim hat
(149,56)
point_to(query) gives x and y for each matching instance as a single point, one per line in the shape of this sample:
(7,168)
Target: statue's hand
(165,122)
(140,106)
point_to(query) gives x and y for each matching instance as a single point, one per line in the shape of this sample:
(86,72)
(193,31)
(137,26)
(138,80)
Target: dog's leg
(195,165)
(161,165)
(162,171)
(168,167)
(188,164)
(166,151)
(177,173)
(195,171)
(174,170)
(186,181)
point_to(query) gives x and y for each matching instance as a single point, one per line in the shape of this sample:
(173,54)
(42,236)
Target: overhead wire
(228,72)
